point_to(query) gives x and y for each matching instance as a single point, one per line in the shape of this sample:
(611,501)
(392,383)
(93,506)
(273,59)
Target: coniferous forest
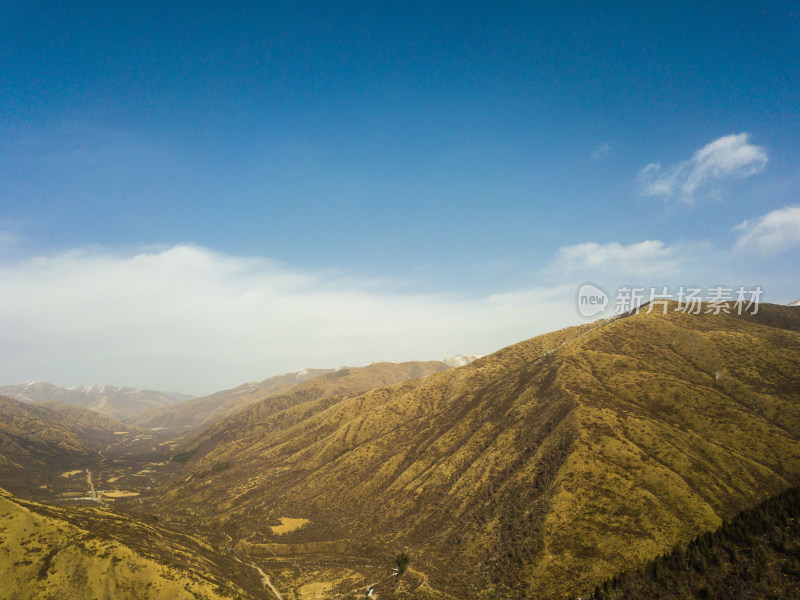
(755,554)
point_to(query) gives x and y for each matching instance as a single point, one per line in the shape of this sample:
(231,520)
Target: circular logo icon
(592,300)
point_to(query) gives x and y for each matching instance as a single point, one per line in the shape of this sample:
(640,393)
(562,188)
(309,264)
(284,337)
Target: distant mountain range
(117,402)
(196,412)
(206,410)
(156,409)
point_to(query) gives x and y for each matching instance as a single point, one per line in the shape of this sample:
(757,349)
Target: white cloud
(644,259)
(728,157)
(189,319)
(601,151)
(776,231)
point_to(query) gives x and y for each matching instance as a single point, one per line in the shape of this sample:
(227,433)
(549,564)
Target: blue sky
(400,163)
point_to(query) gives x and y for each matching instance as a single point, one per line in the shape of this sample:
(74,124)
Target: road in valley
(92,491)
(264,578)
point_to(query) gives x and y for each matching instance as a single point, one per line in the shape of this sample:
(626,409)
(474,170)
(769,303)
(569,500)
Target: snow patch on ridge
(459,360)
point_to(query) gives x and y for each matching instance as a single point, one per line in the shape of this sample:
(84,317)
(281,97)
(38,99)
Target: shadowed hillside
(755,554)
(532,472)
(90,424)
(40,434)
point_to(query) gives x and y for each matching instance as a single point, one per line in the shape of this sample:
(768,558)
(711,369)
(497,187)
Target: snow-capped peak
(459,360)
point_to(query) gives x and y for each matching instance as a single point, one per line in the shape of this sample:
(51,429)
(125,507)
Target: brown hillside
(88,423)
(552,462)
(86,553)
(35,435)
(198,412)
(326,389)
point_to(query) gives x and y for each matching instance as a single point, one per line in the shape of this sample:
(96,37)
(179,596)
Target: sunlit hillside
(84,553)
(536,470)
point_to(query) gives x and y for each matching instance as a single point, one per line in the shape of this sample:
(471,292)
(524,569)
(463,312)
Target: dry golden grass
(288,525)
(113,494)
(42,557)
(538,470)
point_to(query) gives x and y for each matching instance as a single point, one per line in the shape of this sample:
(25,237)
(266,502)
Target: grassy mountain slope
(88,423)
(323,390)
(541,467)
(755,554)
(38,442)
(205,410)
(683,420)
(51,552)
(33,435)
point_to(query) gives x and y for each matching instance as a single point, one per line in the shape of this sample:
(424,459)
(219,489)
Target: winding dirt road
(92,491)
(264,578)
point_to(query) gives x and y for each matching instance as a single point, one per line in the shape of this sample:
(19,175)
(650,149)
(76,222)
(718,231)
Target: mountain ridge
(119,402)
(203,410)
(206,410)
(49,433)
(493,461)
